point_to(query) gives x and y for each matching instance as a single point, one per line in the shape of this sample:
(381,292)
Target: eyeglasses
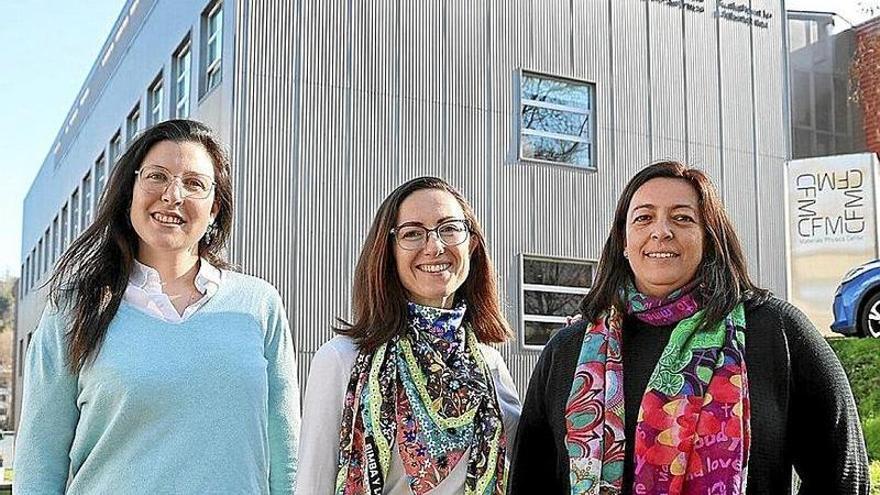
(415,237)
(156,180)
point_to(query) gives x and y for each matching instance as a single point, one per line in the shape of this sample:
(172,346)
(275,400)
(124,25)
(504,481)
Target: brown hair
(723,273)
(92,274)
(378,297)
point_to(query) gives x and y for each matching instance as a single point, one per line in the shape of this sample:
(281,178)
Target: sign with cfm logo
(832,226)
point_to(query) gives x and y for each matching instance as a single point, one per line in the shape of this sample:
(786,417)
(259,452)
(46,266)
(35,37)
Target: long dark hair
(723,273)
(91,276)
(378,297)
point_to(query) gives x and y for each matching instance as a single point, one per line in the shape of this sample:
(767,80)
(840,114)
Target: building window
(47,240)
(551,290)
(39,258)
(32,260)
(100,177)
(154,102)
(212,33)
(557,120)
(86,201)
(115,148)
(181,73)
(22,282)
(64,219)
(56,246)
(131,124)
(74,215)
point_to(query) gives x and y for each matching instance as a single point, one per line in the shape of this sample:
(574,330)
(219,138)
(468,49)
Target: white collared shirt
(144,291)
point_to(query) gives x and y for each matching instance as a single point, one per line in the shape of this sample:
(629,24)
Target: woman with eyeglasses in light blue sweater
(155,368)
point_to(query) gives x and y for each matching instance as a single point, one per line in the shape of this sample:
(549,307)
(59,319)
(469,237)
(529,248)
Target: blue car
(857,302)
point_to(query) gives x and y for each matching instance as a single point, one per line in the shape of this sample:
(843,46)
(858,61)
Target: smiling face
(664,236)
(166,222)
(431,275)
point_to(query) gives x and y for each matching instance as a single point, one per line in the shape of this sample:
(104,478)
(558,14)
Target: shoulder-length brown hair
(378,297)
(91,276)
(723,273)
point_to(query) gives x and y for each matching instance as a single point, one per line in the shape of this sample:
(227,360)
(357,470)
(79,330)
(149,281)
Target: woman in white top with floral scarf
(410,398)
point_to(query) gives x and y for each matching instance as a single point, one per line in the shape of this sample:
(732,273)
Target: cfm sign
(831,225)
(846,187)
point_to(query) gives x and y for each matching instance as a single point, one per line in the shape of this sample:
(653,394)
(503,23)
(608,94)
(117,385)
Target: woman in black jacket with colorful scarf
(684,377)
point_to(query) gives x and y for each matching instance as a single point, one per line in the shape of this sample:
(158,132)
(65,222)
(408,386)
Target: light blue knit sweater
(209,405)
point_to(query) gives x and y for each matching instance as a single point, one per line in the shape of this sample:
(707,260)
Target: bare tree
(869,7)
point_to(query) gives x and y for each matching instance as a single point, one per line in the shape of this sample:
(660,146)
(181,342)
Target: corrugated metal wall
(338,102)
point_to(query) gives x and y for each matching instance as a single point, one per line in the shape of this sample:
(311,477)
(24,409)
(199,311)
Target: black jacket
(802,409)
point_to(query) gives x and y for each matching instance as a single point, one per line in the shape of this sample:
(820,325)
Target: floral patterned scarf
(429,394)
(692,435)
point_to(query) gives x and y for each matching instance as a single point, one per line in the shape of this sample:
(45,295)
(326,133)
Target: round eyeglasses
(415,237)
(155,180)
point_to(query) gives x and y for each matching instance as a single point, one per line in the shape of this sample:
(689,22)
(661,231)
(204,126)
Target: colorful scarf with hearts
(693,433)
(430,395)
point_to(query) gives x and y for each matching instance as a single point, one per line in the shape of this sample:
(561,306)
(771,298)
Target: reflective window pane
(56,246)
(555,91)
(843,145)
(100,177)
(539,333)
(115,149)
(841,105)
(797,34)
(182,81)
(824,144)
(552,272)
(555,150)
(801,98)
(86,201)
(556,121)
(74,215)
(822,88)
(552,290)
(131,125)
(551,303)
(803,143)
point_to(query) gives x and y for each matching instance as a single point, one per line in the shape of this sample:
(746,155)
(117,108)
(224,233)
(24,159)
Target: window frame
(181,67)
(100,179)
(591,112)
(32,259)
(132,124)
(65,224)
(75,213)
(155,101)
(213,67)
(115,149)
(39,259)
(87,188)
(55,239)
(47,239)
(557,289)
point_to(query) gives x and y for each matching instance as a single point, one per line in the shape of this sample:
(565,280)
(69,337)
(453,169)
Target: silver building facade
(538,110)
